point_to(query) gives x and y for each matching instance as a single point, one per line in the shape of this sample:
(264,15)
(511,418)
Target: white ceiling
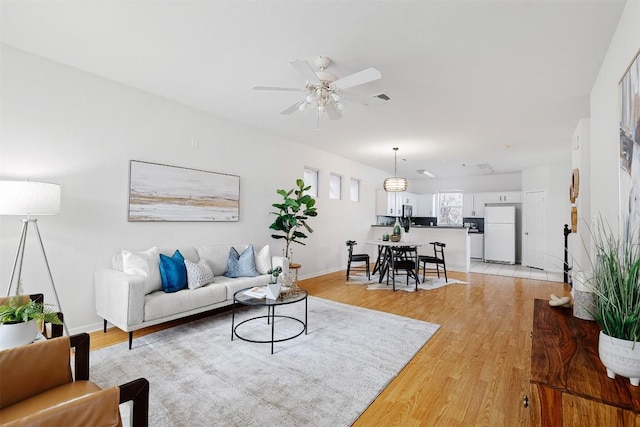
(478,82)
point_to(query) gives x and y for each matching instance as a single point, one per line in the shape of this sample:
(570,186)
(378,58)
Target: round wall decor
(575,183)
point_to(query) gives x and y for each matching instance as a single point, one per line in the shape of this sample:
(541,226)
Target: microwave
(407,211)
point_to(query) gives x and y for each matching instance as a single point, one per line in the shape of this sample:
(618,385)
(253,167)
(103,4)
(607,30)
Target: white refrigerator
(500,234)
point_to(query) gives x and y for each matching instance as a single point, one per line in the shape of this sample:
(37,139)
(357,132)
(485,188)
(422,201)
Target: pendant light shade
(396,183)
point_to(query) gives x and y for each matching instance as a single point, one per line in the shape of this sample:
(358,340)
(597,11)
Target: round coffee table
(241,298)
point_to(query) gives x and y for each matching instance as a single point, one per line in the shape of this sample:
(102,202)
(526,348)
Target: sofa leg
(104,326)
(137,391)
(130,339)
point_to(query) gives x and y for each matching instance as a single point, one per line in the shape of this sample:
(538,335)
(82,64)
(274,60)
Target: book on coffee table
(257,292)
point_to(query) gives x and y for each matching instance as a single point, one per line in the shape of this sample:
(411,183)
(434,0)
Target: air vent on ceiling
(382,96)
(485,168)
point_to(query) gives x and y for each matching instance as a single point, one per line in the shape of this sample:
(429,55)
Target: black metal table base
(271,317)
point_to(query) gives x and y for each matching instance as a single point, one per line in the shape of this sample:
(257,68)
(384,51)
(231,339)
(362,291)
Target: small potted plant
(616,284)
(273,288)
(21,319)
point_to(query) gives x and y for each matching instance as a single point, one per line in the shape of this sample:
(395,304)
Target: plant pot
(620,357)
(17,334)
(273,290)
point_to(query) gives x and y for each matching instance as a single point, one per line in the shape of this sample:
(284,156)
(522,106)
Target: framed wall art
(169,193)
(629,90)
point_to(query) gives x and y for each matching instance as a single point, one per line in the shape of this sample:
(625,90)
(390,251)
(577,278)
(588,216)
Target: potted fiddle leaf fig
(616,284)
(293,212)
(21,319)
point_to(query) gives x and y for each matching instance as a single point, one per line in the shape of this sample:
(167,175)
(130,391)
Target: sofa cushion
(263,260)
(188,252)
(233,285)
(216,256)
(173,272)
(160,304)
(145,264)
(198,274)
(241,265)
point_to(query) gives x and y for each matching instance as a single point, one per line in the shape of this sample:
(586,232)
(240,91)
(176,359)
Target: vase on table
(273,290)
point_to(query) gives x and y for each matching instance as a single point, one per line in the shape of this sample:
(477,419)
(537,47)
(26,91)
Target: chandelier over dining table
(395,183)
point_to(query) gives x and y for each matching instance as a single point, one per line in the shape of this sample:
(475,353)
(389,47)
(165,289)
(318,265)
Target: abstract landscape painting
(630,149)
(169,193)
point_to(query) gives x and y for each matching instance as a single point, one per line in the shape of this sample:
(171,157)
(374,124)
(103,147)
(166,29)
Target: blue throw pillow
(242,265)
(173,272)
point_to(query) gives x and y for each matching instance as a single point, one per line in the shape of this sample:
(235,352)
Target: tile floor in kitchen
(515,270)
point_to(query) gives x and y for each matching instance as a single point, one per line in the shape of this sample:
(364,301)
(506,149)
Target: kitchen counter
(456,227)
(455,237)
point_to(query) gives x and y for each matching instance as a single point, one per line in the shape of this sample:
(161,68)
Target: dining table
(385,261)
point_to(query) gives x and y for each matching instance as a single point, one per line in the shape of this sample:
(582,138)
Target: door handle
(526,233)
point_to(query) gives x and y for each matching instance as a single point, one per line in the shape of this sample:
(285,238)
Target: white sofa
(133,301)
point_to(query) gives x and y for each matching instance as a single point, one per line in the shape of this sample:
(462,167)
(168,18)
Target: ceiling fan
(325,91)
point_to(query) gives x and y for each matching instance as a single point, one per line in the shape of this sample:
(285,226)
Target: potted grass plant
(21,319)
(616,284)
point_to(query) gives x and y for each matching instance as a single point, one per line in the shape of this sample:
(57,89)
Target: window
(311,179)
(355,190)
(335,184)
(450,208)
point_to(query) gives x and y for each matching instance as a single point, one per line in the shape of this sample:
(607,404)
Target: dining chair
(404,258)
(357,258)
(437,259)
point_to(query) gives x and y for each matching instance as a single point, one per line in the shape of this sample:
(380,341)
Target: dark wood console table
(569,384)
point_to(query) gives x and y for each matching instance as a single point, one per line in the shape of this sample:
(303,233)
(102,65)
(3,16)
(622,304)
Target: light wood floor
(473,372)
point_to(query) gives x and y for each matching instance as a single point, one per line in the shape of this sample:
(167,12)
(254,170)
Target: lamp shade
(29,198)
(395,183)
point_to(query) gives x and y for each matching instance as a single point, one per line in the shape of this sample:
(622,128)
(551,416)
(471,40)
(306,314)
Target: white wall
(470,184)
(605,115)
(63,125)
(580,159)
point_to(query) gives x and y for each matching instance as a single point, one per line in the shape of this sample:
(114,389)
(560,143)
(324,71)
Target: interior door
(534,210)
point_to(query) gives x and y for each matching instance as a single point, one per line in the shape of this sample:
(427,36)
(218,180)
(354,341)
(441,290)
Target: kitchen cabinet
(569,385)
(503,197)
(424,205)
(476,246)
(386,203)
(473,205)
(390,203)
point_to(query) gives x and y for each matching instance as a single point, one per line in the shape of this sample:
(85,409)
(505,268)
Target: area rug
(430,283)
(199,377)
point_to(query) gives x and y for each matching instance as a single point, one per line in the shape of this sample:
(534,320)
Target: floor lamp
(29,198)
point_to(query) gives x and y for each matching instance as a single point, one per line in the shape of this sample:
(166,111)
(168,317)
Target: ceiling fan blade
(359,78)
(292,108)
(332,111)
(306,71)
(363,99)
(286,89)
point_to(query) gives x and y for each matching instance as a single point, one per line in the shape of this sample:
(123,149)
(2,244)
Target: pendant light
(395,184)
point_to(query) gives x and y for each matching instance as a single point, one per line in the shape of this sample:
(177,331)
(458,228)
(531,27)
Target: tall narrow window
(311,179)
(354,190)
(335,187)
(450,208)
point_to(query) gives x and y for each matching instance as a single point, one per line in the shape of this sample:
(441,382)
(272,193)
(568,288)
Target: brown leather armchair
(37,388)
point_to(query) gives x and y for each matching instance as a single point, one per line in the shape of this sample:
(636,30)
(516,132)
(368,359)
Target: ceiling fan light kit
(395,183)
(325,91)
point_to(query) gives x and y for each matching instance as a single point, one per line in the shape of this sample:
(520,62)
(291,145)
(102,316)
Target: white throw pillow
(263,260)
(146,264)
(198,274)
